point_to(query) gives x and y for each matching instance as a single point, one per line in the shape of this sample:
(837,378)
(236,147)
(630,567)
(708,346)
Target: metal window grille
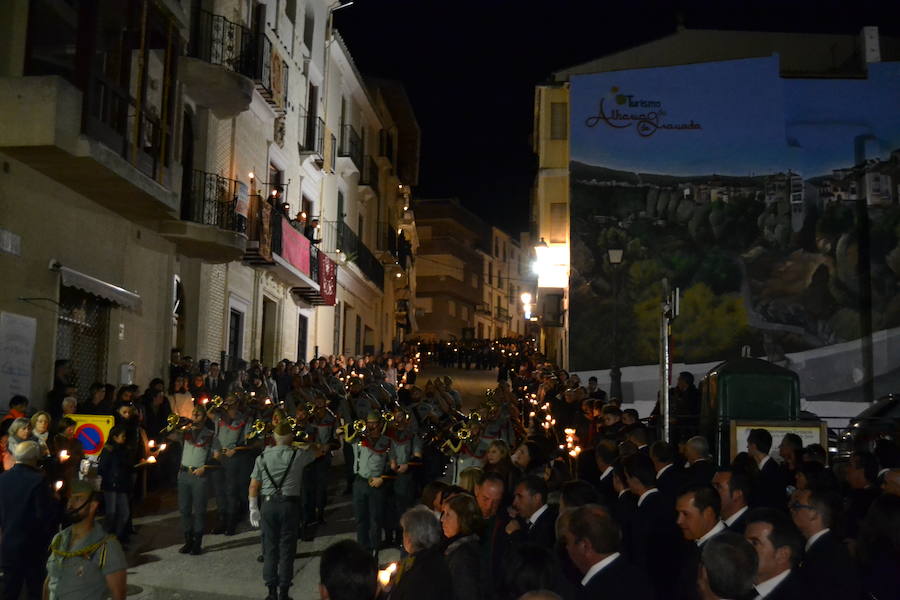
(81,336)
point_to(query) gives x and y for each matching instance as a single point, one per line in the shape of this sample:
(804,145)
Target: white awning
(92,285)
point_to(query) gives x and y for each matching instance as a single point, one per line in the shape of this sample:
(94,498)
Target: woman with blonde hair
(470,477)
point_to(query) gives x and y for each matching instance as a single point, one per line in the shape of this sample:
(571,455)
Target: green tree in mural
(719,272)
(709,324)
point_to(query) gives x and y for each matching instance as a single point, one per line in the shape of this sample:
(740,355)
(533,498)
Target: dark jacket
(700,472)
(618,579)
(828,571)
(654,540)
(790,588)
(670,483)
(115,468)
(28,515)
(542,533)
(463,558)
(425,575)
(770,489)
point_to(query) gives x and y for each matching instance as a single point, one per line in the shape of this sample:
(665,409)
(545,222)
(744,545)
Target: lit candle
(152,443)
(63,455)
(151,459)
(162,447)
(384,576)
(58,485)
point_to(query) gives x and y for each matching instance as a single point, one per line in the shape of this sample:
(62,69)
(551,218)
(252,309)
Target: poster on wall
(772,203)
(17,338)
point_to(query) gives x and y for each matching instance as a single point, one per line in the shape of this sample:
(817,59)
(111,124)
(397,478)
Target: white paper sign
(17,338)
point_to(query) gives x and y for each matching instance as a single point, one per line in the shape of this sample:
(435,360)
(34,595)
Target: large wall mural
(772,203)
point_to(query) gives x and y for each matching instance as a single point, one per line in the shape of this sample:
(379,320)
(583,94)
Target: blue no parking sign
(91,438)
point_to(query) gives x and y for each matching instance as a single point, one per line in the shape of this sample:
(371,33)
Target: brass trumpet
(359,426)
(173,422)
(259,427)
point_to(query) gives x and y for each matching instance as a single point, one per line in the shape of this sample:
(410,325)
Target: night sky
(470,68)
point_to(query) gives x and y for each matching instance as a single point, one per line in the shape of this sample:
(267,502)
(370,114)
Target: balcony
(220,65)
(370,176)
(501,314)
(483,308)
(275,244)
(388,242)
(210,227)
(350,146)
(432,285)
(270,74)
(342,239)
(91,143)
(311,135)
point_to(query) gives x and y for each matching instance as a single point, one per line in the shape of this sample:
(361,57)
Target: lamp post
(615,256)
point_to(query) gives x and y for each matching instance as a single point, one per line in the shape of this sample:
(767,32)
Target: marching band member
(370,462)
(231,427)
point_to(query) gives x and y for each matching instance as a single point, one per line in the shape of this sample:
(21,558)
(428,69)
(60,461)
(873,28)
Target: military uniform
(80,571)
(280,471)
(198,446)
(406,447)
(230,481)
(370,460)
(350,409)
(471,454)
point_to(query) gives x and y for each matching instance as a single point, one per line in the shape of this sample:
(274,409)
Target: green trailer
(748,390)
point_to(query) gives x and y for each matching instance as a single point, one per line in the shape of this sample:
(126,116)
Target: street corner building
(216,177)
(758,173)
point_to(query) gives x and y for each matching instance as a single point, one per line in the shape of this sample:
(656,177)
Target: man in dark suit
(698,508)
(727,568)
(700,468)
(592,541)
(827,570)
(215,381)
(28,516)
(778,546)
(652,539)
(640,437)
(669,477)
(862,474)
(770,485)
(734,490)
(606,453)
(536,520)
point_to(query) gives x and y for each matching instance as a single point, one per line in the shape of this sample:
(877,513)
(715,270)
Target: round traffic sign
(91,438)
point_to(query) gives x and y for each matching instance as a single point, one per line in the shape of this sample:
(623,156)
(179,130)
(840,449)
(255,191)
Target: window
(333,159)
(309,28)
(559,121)
(451,308)
(337,328)
(235,337)
(558,225)
(490,273)
(357,345)
(425,304)
(473,278)
(464,313)
(82,334)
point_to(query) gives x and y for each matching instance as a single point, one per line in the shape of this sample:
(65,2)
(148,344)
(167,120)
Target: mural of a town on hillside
(771,203)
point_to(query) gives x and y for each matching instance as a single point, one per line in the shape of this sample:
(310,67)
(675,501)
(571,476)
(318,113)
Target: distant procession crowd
(546,488)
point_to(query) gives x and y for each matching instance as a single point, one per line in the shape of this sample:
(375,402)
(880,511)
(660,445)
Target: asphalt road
(228,568)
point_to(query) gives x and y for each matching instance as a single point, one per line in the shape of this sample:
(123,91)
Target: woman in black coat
(423,573)
(115,469)
(461,522)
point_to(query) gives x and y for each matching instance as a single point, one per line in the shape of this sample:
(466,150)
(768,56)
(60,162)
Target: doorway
(269,326)
(302,329)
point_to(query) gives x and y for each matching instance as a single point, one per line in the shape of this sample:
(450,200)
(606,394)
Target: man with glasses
(827,571)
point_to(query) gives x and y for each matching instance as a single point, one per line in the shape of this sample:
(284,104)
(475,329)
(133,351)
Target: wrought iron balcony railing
(219,41)
(212,201)
(351,145)
(312,134)
(339,237)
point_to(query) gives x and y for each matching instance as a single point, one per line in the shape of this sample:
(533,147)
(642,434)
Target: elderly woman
(40,431)
(461,522)
(423,573)
(19,431)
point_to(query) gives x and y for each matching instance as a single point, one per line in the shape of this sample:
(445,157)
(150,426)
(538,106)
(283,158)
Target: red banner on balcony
(294,247)
(327,279)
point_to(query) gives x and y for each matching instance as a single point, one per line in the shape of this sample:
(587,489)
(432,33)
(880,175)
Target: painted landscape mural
(771,203)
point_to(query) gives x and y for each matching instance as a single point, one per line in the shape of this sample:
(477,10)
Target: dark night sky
(470,69)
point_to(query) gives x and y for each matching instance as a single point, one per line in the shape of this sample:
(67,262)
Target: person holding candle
(115,468)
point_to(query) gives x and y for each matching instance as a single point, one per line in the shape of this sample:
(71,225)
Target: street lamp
(615,374)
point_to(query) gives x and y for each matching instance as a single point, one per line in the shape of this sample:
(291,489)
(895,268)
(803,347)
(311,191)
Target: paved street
(228,568)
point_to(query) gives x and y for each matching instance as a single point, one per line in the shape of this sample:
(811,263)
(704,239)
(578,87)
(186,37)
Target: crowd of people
(546,489)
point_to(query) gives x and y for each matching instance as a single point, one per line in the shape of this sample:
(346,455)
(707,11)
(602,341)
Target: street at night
(404,300)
